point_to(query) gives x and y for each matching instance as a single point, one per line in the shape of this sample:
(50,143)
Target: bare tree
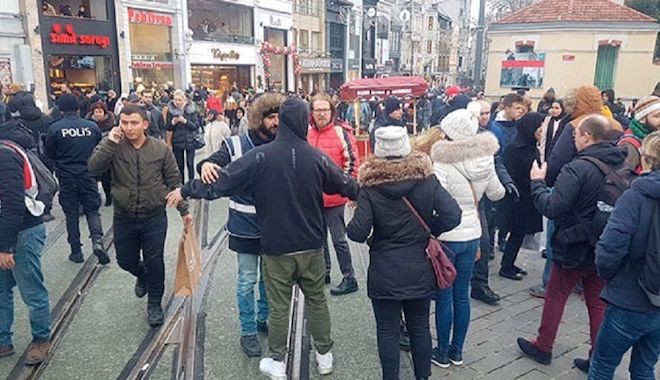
(497,9)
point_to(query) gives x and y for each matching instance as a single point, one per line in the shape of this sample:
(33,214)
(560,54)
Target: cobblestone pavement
(111,325)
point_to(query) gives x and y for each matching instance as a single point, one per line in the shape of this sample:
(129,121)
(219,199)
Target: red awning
(383,87)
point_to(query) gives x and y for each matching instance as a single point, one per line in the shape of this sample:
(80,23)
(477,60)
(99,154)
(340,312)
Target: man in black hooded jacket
(292,224)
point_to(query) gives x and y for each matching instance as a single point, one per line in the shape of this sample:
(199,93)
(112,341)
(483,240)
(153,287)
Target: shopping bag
(188,264)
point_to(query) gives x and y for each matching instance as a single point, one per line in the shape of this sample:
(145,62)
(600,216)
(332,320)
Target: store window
(221,78)
(151,53)
(221,22)
(278,67)
(79,72)
(91,9)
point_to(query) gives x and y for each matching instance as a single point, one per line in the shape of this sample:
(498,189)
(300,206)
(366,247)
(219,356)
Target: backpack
(649,277)
(47,186)
(615,182)
(636,142)
(575,245)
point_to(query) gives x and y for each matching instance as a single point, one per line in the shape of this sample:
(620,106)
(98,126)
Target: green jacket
(141,178)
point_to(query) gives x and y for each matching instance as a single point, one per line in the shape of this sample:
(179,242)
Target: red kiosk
(366,88)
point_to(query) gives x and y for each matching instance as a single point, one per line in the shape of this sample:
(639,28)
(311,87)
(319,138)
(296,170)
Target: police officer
(69,144)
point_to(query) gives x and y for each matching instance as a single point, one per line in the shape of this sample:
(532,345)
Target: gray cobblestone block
(513,370)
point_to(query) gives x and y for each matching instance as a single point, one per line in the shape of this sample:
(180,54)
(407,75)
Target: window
(525,48)
(92,9)
(316,41)
(460,62)
(336,40)
(430,22)
(429,47)
(306,7)
(304,39)
(221,22)
(605,66)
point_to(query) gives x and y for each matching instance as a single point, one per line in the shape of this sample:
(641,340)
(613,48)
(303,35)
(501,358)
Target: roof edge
(581,25)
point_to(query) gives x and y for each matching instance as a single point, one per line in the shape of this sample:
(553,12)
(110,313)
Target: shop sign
(315,65)
(337,65)
(369,65)
(67,36)
(143,57)
(275,21)
(137,16)
(225,55)
(151,65)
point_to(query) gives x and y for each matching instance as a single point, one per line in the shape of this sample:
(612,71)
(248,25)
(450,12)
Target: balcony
(227,38)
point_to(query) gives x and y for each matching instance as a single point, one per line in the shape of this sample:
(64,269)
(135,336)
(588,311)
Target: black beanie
(67,102)
(392,104)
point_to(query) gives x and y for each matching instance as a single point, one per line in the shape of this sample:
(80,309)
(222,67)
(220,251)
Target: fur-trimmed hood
(261,104)
(377,171)
(481,145)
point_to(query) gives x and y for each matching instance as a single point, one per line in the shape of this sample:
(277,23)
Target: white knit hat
(392,142)
(460,124)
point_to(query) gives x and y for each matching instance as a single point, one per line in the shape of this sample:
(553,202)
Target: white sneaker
(273,369)
(324,362)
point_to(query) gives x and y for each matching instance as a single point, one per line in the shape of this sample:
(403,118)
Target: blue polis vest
(242,221)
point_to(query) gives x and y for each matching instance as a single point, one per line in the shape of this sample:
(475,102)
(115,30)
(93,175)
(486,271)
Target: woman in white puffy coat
(464,163)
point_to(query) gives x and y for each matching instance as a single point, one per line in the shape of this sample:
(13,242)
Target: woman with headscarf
(551,128)
(400,276)
(521,218)
(546,103)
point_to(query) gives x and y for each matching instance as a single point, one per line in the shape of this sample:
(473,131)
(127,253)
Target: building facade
(309,35)
(611,46)
(15,54)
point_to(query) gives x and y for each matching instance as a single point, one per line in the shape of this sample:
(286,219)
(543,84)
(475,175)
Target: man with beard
(156,117)
(243,226)
(335,139)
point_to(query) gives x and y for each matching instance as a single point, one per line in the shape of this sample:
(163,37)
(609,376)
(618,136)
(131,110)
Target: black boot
(140,287)
(347,286)
(485,295)
(251,346)
(533,352)
(155,314)
(76,254)
(100,253)
(582,364)
(108,200)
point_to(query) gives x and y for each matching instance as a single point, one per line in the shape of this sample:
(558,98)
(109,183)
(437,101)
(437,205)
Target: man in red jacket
(336,140)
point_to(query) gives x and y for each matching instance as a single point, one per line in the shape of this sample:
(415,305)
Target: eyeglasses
(322,110)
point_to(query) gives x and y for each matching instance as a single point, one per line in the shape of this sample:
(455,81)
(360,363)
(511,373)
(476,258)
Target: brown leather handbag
(445,273)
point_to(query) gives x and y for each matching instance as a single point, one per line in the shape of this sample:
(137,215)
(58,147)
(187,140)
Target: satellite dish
(371,12)
(404,16)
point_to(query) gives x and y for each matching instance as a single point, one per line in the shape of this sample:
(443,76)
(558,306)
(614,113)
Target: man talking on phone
(143,171)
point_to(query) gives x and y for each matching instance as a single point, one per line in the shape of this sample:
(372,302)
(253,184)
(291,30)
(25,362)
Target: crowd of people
(582,169)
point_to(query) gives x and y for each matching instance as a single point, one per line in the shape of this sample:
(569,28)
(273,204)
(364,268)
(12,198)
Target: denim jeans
(388,316)
(452,305)
(28,276)
(249,271)
(621,330)
(334,219)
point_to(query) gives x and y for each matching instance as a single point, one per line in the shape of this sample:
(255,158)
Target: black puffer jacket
(14,216)
(183,134)
(399,268)
(573,198)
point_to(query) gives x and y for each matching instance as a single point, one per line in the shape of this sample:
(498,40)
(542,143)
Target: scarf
(638,129)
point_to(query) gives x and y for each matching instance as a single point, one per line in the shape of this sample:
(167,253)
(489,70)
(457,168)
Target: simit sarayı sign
(67,36)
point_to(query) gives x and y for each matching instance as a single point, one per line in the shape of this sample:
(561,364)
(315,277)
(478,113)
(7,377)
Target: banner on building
(522,70)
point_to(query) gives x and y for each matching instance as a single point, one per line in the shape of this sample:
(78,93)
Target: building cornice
(577,26)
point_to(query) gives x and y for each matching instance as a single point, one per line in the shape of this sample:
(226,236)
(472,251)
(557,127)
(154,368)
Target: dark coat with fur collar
(398,268)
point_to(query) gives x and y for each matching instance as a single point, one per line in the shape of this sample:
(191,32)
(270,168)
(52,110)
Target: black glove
(512,190)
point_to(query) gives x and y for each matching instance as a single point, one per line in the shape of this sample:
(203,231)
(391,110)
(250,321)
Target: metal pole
(480,43)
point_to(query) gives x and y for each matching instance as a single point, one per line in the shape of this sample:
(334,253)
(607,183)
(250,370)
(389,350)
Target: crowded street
(330,189)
